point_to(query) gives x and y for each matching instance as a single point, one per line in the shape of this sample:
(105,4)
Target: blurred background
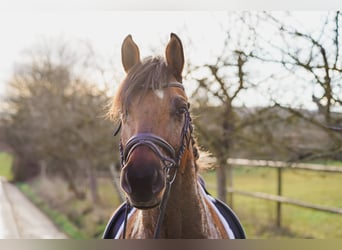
(266,98)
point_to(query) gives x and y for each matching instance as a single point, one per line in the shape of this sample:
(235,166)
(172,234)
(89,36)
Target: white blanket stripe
(118,234)
(211,201)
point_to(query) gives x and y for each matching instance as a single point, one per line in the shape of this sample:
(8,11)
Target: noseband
(153,142)
(171,160)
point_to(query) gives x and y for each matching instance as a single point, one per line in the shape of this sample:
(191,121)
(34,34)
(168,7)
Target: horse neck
(184,210)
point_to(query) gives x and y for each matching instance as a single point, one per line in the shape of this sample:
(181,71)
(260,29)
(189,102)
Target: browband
(174,84)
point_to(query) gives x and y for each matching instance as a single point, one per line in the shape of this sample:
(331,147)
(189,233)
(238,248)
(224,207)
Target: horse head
(153,111)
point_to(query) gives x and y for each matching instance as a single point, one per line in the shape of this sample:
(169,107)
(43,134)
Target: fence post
(230,184)
(279,193)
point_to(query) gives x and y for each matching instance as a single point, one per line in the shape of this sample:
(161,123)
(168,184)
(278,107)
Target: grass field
(5,165)
(259,216)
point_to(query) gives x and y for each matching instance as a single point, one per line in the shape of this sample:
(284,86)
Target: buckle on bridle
(170,177)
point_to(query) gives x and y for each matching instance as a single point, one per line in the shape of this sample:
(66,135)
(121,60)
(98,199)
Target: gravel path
(20,219)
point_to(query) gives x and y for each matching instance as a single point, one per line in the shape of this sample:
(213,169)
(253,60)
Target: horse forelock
(151,73)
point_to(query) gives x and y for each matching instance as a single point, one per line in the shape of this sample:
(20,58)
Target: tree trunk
(71,183)
(43,169)
(88,166)
(226,145)
(230,184)
(221,182)
(93,185)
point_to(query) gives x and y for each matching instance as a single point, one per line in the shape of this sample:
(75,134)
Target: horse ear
(175,56)
(130,54)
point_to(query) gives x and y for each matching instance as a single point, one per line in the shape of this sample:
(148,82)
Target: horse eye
(181,111)
(180,106)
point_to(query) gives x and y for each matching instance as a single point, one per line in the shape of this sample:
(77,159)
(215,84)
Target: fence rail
(279,198)
(283,199)
(280,164)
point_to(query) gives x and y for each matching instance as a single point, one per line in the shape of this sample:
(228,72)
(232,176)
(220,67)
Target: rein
(171,161)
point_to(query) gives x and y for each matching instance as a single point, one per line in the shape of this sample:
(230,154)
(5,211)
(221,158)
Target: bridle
(171,161)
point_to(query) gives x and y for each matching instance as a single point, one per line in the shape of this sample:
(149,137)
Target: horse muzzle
(143,178)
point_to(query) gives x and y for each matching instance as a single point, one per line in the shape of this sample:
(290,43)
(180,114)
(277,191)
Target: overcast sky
(105,30)
(24,23)
(172,4)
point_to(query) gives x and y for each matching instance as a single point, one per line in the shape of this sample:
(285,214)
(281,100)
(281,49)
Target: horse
(166,198)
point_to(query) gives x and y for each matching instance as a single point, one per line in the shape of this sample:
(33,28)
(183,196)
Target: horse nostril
(157,183)
(125,183)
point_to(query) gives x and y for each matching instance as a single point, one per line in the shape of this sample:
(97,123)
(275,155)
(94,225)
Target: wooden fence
(279,198)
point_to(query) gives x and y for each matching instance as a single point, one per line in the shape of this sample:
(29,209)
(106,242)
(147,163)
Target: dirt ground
(20,219)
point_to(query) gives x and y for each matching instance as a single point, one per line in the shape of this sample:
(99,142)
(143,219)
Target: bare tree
(60,114)
(311,57)
(222,84)
(263,63)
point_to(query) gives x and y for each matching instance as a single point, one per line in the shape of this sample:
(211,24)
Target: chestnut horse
(159,175)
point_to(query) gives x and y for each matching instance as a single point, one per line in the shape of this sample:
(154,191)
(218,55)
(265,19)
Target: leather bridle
(171,160)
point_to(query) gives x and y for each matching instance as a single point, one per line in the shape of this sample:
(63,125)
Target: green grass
(6,165)
(258,216)
(79,219)
(62,222)
(328,162)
